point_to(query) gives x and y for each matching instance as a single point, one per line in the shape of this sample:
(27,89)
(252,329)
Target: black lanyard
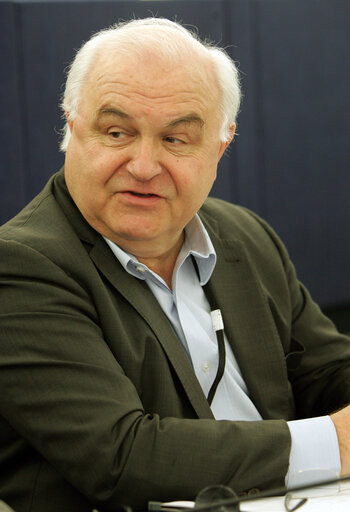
(219,330)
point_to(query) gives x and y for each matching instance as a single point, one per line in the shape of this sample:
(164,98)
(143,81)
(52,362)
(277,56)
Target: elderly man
(115,364)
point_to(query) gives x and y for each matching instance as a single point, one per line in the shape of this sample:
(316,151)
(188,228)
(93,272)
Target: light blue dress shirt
(314,441)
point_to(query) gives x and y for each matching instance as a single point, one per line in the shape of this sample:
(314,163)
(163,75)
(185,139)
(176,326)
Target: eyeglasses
(294,499)
(290,506)
(215,493)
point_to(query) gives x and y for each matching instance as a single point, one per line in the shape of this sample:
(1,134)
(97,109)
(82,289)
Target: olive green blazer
(99,404)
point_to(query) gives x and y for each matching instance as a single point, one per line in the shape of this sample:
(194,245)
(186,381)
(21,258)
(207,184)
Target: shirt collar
(197,243)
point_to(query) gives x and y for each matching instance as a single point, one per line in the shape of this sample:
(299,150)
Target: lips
(139,194)
(136,198)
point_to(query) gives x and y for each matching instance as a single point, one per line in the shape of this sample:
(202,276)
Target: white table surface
(331,498)
(322,499)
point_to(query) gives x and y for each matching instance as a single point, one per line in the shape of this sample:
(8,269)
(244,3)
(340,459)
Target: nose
(144,162)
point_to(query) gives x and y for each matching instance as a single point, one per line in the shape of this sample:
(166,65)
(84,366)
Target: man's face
(144,149)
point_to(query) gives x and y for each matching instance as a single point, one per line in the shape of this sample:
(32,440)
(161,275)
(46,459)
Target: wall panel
(290,159)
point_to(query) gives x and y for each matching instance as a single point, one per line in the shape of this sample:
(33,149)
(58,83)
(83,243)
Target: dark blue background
(290,161)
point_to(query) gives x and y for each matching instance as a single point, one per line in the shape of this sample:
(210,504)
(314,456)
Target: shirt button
(141,269)
(206,367)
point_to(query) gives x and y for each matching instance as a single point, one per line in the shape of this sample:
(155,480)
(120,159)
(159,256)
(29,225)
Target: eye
(117,135)
(173,140)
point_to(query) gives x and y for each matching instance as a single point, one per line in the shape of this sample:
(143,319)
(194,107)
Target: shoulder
(234,222)
(43,235)
(225,212)
(37,219)
(50,223)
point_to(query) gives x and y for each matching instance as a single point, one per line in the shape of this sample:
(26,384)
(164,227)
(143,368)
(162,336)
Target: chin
(133,235)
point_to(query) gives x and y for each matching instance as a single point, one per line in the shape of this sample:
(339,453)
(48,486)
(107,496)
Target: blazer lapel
(138,295)
(250,328)
(143,301)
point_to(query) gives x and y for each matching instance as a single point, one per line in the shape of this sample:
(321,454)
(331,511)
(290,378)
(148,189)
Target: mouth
(139,199)
(139,194)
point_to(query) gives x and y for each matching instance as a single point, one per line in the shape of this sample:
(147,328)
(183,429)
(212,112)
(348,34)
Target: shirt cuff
(314,455)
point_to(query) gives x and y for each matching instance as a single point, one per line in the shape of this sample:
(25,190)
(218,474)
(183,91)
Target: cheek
(97,165)
(83,178)
(204,176)
(101,166)
(195,184)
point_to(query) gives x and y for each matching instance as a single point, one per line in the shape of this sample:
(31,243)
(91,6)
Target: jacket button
(253,491)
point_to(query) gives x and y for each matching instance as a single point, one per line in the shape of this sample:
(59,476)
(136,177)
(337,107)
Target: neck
(164,264)
(157,258)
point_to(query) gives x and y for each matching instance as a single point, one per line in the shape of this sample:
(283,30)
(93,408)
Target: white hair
(161,35)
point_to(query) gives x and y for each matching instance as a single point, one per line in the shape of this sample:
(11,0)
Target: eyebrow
(112,111)
(189,118)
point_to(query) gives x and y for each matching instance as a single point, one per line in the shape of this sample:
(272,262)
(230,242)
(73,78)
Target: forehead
(151,82)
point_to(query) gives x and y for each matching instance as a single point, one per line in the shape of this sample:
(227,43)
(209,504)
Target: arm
(68,396)
(321,383)
(318,360)
(341,420)
(317,355)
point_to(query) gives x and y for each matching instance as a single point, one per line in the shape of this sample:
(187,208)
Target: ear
(69,122)
(226,143)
